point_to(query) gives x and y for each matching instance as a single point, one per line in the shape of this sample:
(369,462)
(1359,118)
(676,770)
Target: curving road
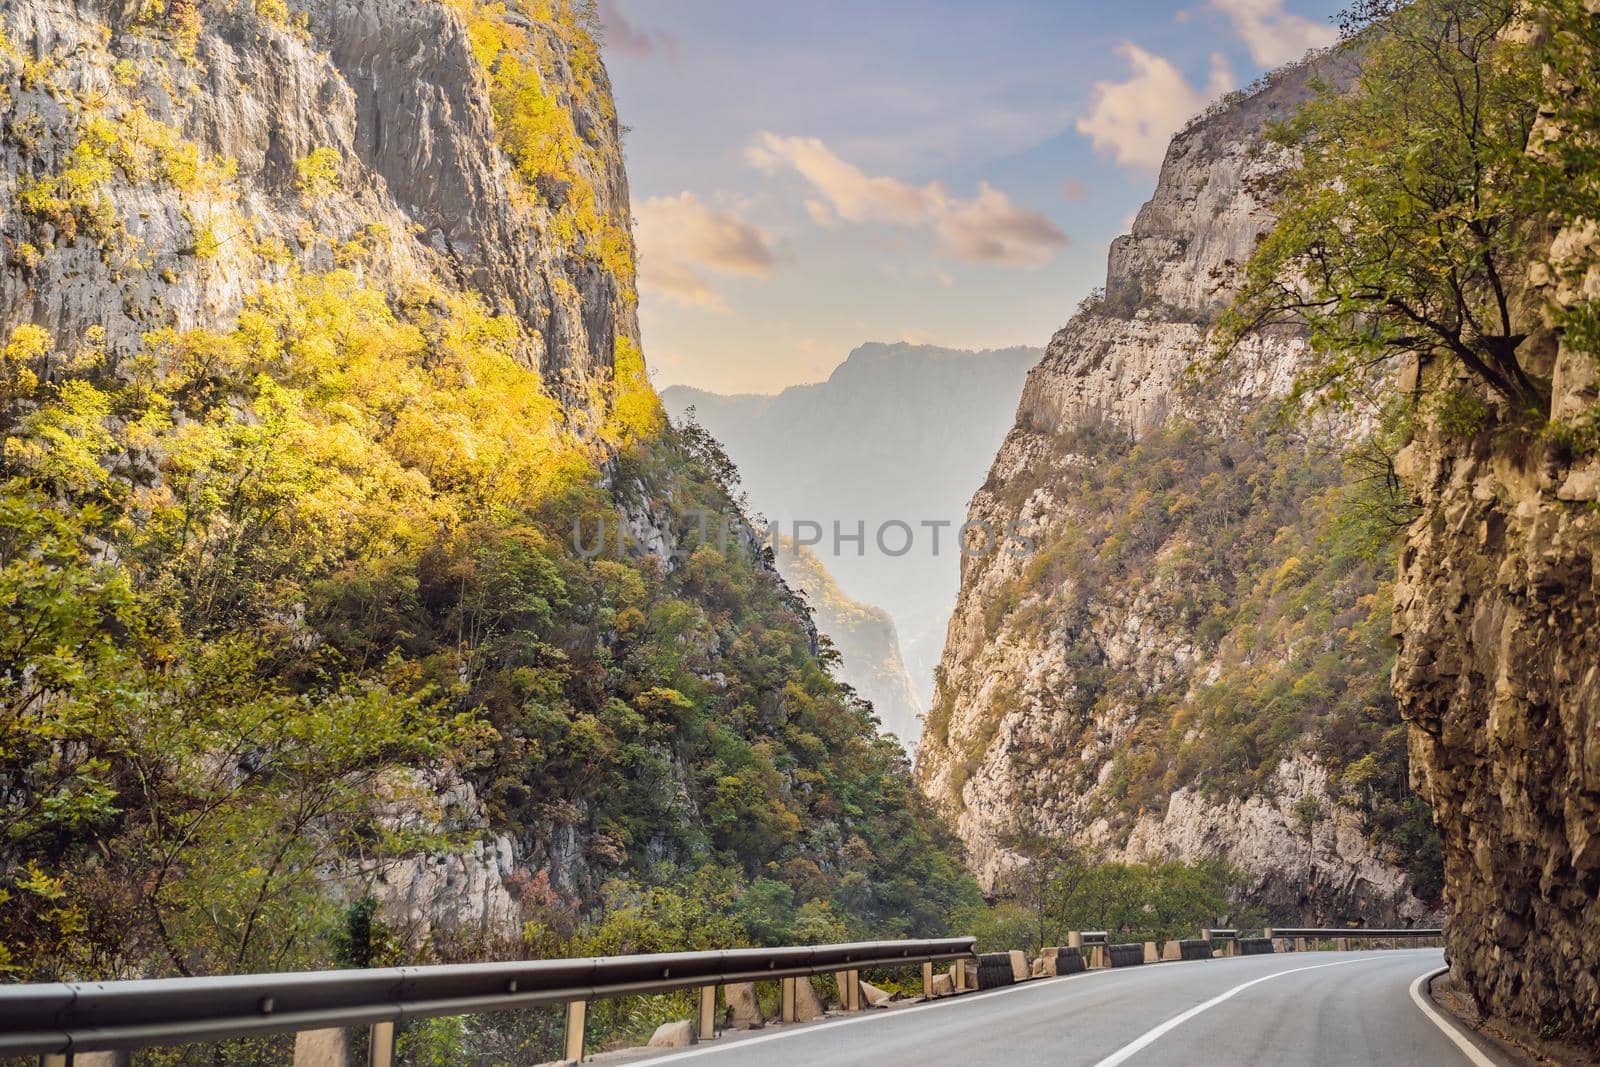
(1322,1008)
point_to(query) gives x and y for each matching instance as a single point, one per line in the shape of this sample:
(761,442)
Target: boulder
(807,1004)
(744,1010)
(943,985)
(875,997)
(677,1034)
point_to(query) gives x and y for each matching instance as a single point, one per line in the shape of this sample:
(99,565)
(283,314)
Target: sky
(810,176)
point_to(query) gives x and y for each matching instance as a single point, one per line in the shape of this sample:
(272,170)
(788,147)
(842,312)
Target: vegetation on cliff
(1273,560)
(273,583)
(1437,241)
(1421,198)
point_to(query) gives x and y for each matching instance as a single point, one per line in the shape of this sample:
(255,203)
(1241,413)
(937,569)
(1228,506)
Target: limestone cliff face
(160,163)
(390,88)
(1499,674)
(1093,679)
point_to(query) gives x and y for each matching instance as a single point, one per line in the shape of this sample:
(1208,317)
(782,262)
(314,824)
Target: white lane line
(1149,1037)
(947,1004)
(1421,999)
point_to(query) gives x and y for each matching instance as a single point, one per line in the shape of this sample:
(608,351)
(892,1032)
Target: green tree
(1402,225)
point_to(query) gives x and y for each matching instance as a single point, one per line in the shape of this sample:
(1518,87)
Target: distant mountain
(869,648)
(898,432)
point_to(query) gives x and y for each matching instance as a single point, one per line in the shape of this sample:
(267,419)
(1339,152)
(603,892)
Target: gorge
(320,353)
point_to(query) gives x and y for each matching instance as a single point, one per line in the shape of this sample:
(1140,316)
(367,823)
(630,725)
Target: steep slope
(863,635)
(898,432)
(1496,611)
(1184,652)
(350,558)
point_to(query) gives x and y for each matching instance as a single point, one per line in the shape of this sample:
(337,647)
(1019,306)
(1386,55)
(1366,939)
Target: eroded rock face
(1048,691)
(1497,611)
(202,203)
(390,86)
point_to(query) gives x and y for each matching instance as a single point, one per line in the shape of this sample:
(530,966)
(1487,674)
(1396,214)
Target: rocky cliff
(1182,650)
(1499,665)
(321,387)
(163,160)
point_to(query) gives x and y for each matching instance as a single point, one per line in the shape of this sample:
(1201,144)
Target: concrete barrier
(1129,955)
(1194,949)
(1019,965)
(994,970)
(1151,953)
(1071,962)
(1255,946)
(1171,949)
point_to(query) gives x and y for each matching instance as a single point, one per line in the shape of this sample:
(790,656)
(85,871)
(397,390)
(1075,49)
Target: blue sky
(809,176)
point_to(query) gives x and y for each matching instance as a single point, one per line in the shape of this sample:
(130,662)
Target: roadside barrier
(57,1021)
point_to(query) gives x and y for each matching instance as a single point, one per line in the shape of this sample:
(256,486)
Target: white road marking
(1472,1052)
(946,1004)
(1149,1037)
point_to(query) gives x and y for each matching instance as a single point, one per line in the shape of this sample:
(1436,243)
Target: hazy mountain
(869,648)
(898,433)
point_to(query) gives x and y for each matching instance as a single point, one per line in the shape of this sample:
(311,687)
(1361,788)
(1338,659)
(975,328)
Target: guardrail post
(789,1012)
(855,990)
(323,1047)
(1343,944)
(708,1012)
(380,1044)
(1299,944)
(927,980)
(577,1011)
(959,976)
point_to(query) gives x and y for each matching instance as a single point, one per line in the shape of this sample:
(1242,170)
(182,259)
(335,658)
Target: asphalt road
(1322,1008)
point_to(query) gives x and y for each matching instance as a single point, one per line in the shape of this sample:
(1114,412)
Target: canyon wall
(1180,654)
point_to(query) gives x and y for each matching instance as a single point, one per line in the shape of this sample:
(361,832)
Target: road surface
(1322,1008)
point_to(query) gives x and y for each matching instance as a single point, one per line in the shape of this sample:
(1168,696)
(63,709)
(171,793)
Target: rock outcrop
(160,166)
(1498,672)
(388,92)
(1147,665)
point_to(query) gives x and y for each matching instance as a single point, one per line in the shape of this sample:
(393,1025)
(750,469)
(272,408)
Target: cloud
(1272,34)
(986,229)
(1133,119)
(849,192)
(678,234)
(991,229)
(623,38)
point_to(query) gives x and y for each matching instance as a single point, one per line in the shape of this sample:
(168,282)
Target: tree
(1401,225)
(1047,882)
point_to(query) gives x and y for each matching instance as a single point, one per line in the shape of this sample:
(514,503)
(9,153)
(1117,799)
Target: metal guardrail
(1353,932)
(60,1019)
